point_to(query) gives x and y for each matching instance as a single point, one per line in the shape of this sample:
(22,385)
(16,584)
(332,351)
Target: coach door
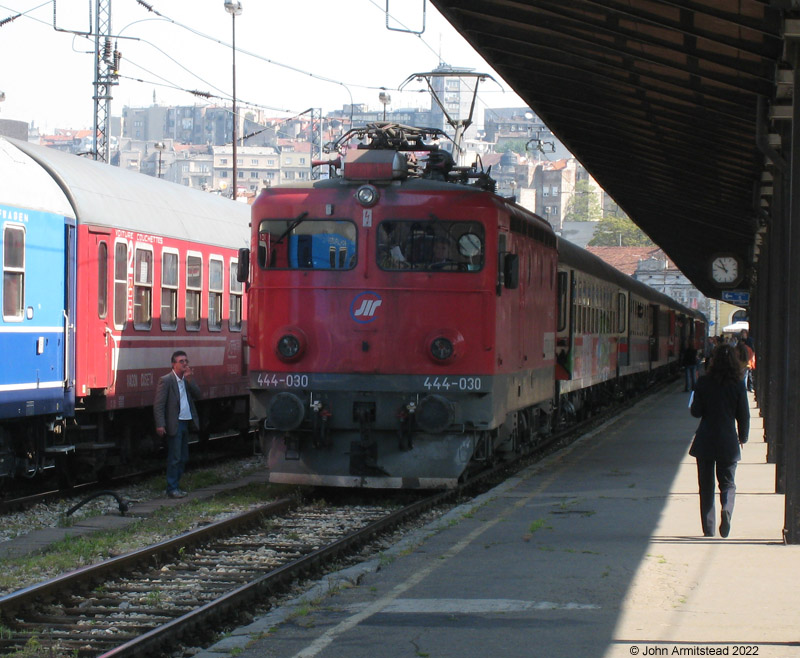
(99,309)
(70,285)
(654,334)
(623,330)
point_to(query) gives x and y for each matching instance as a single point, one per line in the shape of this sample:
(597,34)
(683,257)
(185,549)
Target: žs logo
(364,307)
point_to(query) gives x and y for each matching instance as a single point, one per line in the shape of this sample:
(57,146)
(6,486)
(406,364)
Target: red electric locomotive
(402,319)
(406,322)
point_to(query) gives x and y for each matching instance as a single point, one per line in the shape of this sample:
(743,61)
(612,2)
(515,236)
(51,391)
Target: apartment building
(295,160)
(257,167)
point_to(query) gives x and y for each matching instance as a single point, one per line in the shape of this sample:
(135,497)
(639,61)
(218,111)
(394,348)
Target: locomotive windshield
(306,244)
(430,245)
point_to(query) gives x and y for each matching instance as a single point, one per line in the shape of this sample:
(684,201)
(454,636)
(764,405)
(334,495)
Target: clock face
(725,269)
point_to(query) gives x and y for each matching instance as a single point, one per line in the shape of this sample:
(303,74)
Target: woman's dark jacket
(721,406)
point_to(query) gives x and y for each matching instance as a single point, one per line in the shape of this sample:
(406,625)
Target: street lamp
(159,146)
(384,98)
(234,8)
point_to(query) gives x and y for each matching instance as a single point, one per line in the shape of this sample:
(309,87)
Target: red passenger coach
(155,272)
(146,295)
(401,325)
(615,335)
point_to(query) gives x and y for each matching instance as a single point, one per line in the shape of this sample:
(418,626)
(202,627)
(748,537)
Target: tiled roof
(489,159)
(556,165)
(625,259)
(295,145)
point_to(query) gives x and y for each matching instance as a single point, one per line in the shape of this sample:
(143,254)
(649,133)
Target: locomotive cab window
(306,244)
(13,273)
(430,246)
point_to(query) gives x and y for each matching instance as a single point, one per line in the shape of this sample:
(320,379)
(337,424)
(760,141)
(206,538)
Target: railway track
(153,599)
(141,602)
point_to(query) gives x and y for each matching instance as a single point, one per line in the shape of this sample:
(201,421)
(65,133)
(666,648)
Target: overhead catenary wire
(295,69)
(214,90)
(19,14)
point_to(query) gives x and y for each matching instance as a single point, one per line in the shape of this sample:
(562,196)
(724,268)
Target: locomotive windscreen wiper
(300,219)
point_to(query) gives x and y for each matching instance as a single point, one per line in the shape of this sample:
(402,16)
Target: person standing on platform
(175,415)
(690,365)
(745,354)
(720,401)
(744,337)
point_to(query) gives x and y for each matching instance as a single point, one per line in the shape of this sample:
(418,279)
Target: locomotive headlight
(442,348)
(290,343)
(288,346)
(367,195)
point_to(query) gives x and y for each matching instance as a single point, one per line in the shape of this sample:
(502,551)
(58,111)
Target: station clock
(726,270)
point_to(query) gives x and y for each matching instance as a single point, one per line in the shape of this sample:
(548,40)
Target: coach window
(562,301)
(143,289)
(236,289)
(306,244)
(194,289)
(215,269)
(120,284)
(13,273)
(621,312)
(102,279)
(430,246)
(169,290)
(641,319)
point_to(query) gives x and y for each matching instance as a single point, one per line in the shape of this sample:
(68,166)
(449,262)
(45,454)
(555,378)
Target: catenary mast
(106,63)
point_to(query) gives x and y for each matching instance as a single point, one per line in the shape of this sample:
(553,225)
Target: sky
(292,55)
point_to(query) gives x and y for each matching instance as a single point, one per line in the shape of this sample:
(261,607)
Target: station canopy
(659,100)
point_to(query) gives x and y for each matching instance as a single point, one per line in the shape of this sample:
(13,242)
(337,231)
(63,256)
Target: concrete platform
(596,552)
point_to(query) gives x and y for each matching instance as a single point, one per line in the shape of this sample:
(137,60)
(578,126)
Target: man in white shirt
(175,415)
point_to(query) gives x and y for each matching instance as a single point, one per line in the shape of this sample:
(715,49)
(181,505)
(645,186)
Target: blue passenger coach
(37,240)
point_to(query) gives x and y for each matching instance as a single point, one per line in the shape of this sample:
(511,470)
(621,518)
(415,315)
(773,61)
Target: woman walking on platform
(720,401)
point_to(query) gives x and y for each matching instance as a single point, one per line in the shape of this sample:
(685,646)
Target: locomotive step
(95,446)
(59,450)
